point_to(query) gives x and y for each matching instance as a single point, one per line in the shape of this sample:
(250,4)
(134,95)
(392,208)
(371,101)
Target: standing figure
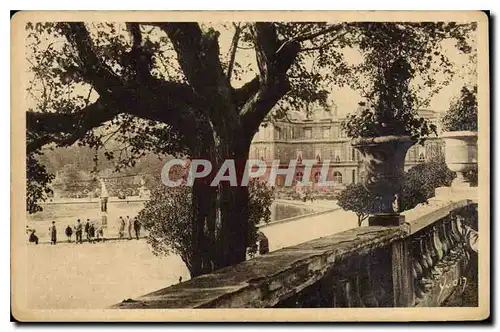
(78,231)
(121,230)
(69,232)
(87,229)
(97,231)
(53,233)
(91,233)
(137,228)
(104,197)
(129,228)
(263,243)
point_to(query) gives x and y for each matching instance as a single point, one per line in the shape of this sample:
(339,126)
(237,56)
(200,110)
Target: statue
(104,196)
(143,192)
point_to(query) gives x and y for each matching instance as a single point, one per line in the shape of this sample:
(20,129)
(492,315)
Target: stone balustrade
(419,263)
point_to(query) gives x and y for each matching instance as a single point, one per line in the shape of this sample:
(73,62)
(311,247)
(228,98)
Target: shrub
(462,115)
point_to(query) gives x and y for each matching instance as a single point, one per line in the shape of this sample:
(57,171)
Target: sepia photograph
(167,163)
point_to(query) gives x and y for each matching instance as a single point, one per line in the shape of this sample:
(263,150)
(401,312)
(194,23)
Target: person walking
(87,228)
(53,233)
(78,232)
(137,228)
(121,230)
(69,232)
(129,228)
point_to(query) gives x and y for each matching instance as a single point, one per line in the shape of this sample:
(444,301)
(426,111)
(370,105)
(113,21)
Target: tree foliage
(167,217)
(37,186)
(462,114)
(392,81)
(422,180)
(357,199)
(420,184)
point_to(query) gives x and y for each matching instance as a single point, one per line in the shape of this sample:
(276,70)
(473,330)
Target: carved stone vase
(384,159)
(460,153)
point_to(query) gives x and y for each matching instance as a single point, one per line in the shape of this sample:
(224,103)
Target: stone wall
(372,266)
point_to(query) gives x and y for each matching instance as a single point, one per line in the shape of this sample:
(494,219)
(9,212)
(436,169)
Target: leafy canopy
(462,115)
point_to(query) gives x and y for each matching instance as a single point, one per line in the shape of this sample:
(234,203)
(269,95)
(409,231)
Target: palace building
(320,138)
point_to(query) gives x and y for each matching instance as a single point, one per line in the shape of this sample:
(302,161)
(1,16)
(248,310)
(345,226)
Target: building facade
(320,138)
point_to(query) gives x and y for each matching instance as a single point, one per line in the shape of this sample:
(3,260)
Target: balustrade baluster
(424,284)
(436,242)
(354,301)
(424,257)
(416,269)
(365,284)
(456,231)
(443,239)
(433,254)
(452,249)
(449,234)
(346,298)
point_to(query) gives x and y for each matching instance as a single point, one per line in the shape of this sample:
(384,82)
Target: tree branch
(232,50)
(93,69)
(319,47)
(312,35)
(64,128)
(273,61)
(198,57)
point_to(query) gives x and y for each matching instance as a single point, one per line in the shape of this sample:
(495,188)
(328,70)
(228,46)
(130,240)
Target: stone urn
(460,154)
(383,158)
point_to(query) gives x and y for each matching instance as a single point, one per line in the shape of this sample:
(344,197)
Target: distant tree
(72,179)
(471,176)
(37,190)
(462,114)
(357,199)
(420,184)
(167,217)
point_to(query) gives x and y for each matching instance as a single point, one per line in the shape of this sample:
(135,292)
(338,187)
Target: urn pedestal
(383,159)
(460,157)
(460,154)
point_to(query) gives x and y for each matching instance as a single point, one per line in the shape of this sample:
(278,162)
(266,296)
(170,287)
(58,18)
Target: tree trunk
(232,202)
(220,213)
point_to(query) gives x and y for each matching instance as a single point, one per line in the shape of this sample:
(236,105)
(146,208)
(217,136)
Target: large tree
(171,88)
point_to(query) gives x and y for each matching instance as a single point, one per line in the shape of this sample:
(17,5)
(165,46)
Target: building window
(298,176)
(337,177)
(353,154)
(337,159)
(421,157)
(278,133)
(316,177)
(308,132)
(326,132)
(353,176)
(335,132)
